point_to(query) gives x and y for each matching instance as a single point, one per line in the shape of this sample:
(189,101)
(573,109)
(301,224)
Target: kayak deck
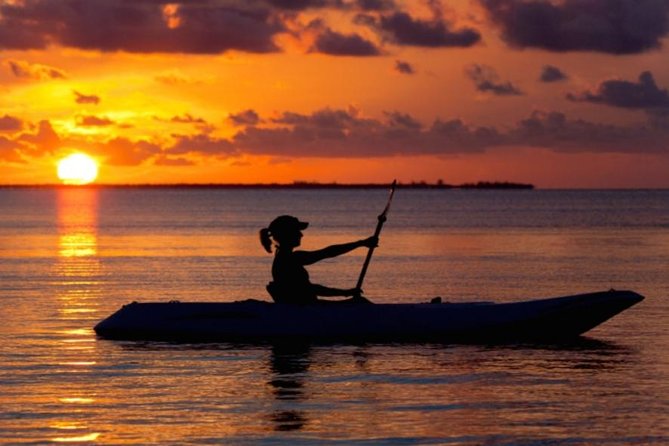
(252,320)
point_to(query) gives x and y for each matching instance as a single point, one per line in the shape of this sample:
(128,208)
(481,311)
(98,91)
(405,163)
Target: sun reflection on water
(77,279)
(77,439)
(78,245)
(77,222)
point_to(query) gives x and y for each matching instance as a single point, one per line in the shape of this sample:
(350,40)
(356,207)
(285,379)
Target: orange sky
(568,93)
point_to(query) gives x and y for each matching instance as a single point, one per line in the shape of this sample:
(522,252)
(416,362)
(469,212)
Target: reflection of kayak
(544,319)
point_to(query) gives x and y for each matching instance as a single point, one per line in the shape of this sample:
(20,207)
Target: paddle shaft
(381,220)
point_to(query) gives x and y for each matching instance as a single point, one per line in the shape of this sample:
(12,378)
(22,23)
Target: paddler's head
(285,230)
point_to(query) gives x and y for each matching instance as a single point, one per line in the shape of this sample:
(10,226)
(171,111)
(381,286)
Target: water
(69,257)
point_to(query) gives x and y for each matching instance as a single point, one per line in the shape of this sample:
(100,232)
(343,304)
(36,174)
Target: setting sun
(77,168)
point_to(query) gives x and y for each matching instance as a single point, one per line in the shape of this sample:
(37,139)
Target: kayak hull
(252,320)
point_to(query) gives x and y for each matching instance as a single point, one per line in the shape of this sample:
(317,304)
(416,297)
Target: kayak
(555,318)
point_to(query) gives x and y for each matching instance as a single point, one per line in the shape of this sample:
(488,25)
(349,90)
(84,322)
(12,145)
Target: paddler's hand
(354,292)
(371,242)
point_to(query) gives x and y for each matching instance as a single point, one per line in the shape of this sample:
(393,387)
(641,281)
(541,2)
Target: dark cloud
(465,136)
(402,29)
(553,130)
(187,118)
(608,26)
(404,67)
(93,121)
(376,5)
(247,117)
(644,94)
(360,5)
(29,70)
(81,98)
(166,161)
(10,124)
(298,5)
(337,44)
(326,118)
(487,80)
(402,120)
(201,144)
(144,26)
(549,73)
(214,27)
(341,133)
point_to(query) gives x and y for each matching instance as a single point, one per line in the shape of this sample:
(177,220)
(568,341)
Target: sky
(557,93)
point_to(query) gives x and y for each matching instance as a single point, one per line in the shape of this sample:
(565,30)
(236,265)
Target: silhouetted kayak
(253,320)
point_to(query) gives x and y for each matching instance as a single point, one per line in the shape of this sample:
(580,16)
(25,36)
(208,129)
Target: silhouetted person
(291,280)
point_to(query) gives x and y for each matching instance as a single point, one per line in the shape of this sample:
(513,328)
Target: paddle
(377,232)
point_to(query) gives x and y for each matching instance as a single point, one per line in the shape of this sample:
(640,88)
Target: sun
(77,168)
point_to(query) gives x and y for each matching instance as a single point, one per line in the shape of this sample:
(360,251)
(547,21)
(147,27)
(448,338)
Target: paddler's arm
(309,257)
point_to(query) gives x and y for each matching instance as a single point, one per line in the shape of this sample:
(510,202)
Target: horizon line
(490,185)
(293,185)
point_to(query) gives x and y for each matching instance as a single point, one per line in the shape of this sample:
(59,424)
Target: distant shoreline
(294,185)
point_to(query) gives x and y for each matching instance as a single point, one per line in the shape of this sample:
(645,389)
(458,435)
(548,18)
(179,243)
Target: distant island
(413,185)
(298,185)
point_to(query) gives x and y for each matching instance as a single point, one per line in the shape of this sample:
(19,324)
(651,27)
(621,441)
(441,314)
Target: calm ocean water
(70,257)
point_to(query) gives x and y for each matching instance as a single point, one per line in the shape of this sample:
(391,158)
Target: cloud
(337,44)
(555,131)
(201,144)
(402,29)
(187,118)
(166,161)
(644,94)
(125,152)
(398,119)
(363,5)
(175,78)
(486,80)
(45,140)
(335,133)
(608,26)
(27,70)
(81,98)
(142,27)
(376,5)
(339,133)
(404,67)
(93,121)
(214,27)
(549,73)
(9,151)
(247,117)
(344,133)
(199,123)
(10,124)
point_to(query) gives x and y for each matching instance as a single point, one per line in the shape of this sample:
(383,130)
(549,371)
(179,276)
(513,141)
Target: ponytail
(265,240)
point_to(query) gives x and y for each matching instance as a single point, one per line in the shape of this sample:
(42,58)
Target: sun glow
(77,168)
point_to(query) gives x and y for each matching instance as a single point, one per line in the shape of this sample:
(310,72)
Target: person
(291,282)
